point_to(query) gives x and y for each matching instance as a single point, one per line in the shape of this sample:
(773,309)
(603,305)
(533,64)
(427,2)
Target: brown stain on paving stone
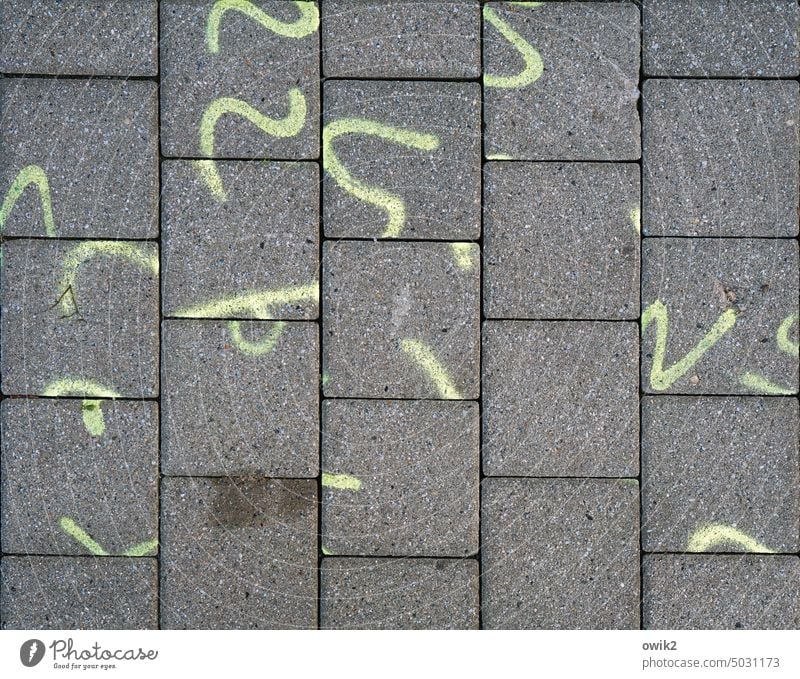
(249,502)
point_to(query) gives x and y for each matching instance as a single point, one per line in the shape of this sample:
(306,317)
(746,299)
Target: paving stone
(252,64)
(94,336)
(48,592)
(560,399)
(234,407)
(720,158)
(749,38)
(75,37)
(720,592)
(571,92)
(261,242)
(399,594)
(420,178)
(56,473)
(413,471)
(93,143)
(711,465)
(401,39)
(401,320)
(561,240)
(560,554)
(698,288)
(238,553)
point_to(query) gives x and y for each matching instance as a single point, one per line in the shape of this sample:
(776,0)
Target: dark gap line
(87,77)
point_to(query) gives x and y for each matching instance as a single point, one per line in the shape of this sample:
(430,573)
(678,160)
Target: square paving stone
(254,255)
(401,39)
(560,554)
(719,316)
(238,553)
(402,159)
(720,592)
(257,89)
(560,399)
(748,38)
(80,318)
(77,475)
(75,592)
(240,398)
(75,37)
(401,320)
(399,594)
(560,81)
(720,474)
(400,478)
(720,158)
(561,240)
(80,158)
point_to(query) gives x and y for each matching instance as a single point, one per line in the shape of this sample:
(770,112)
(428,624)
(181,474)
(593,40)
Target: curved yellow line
(534,66)
(93,420)
(711,535)
(263,346)
(435,371)
(256,304)
(142,549)
(761,384)
(81,536)
(32,174)
(785,343)
(69,386)
(340,481)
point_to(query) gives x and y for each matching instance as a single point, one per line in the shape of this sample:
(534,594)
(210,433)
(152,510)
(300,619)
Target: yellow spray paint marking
(785,343)
(69,386)
(534,67)
(660,378)
(32,174)
(263,346)
(761,384)
(427,360)
(525,4)
(325,378)
(85,540)
(258,304)
(93,419)
(326,551)
(207,169)
(392,205)
(142,549)
(708,537)
(465,255)
(635,215)
(499,156)
(305,25)
(340,481)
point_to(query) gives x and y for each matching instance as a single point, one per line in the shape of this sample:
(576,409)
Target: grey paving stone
(401,39)
(415,469)
(698,288)
(401,320)
(720,592)
(749,38)
(95,142)
(96,335)
(238,553)
(48,592)
(420,178)
(583,104)
(720,158)
(75,37)
(560,554)
(234,408)
(399,594)
(57,472)
(561,240)
(253,64)
(262,242)
(560,399)
(711,465)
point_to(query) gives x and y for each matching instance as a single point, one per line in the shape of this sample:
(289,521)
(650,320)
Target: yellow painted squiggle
(785,343)
(32,174)
(465,254)
(263,346)
(707,537)
(534,66)
(761,384)
(70,386)
(256,304)
(426,359)
(93,420)
(340,481)
(87,542)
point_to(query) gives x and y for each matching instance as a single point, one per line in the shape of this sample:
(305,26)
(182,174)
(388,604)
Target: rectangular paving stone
(560,399)
(720,474)
(401,320)
(399,594)
(402,159)
(719,316)
(79,475)
(81,158)
(561,241)
(560,554)
(257,88)
(80,318)
(238,553)
(253,255)
(560,81)
(240,398)
(401,39)
(720,158)
(720,592)
(750,38)
(400,478)
(75,37)
(75,592)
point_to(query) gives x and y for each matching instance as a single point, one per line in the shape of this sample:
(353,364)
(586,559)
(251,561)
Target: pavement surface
(399,314)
